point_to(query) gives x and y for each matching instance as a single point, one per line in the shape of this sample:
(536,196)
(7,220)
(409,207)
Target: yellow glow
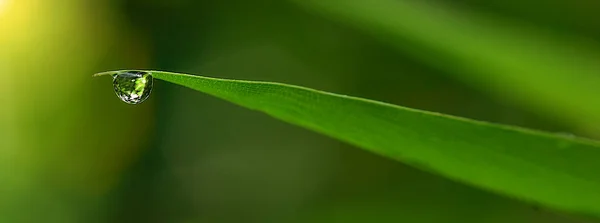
(3,4)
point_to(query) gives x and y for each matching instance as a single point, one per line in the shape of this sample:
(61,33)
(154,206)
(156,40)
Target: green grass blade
(551,73)
(552,170)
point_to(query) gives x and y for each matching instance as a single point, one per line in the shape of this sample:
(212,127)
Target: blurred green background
(70,151)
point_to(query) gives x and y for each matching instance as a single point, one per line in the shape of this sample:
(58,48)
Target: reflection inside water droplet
(133,87)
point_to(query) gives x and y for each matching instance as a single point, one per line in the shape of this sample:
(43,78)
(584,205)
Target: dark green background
(72,152)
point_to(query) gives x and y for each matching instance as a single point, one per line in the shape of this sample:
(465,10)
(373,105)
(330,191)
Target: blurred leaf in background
(555,73)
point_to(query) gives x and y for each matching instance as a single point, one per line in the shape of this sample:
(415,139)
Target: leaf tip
(104,73)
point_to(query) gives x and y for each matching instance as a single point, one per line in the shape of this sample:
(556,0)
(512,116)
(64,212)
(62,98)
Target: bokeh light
(3,5)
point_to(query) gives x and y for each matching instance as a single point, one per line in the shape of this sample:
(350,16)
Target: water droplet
(132,87)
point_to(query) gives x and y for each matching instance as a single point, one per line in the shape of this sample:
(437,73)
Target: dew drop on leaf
(132,87)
